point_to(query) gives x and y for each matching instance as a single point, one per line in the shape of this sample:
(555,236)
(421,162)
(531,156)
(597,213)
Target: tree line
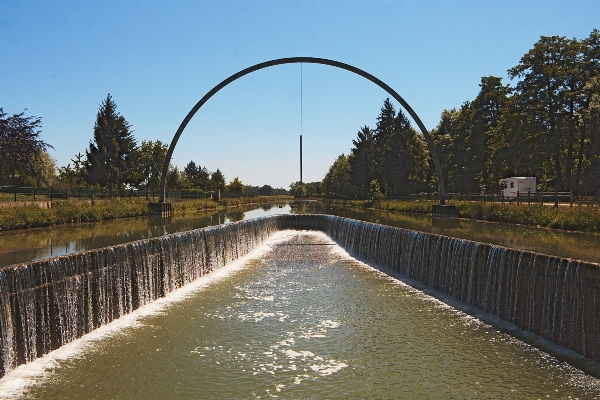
(546,124)
(113,160)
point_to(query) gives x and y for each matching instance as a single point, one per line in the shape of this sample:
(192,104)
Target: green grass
(65,211)
(577,218)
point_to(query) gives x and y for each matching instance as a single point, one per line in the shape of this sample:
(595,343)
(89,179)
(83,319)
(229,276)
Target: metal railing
(40,194)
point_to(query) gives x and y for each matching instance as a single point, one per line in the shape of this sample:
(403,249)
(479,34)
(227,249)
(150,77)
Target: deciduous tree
(20,145)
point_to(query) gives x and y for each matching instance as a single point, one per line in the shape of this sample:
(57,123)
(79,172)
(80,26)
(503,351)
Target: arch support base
(444,211)
(161,208)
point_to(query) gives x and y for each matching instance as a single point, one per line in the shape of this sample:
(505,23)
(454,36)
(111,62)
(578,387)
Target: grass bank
(66,211)
(585,219)
(20,215)
(578,218)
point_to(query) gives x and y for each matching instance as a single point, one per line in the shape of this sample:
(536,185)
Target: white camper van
(519,184)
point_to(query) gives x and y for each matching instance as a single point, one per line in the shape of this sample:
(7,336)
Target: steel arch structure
(308,60)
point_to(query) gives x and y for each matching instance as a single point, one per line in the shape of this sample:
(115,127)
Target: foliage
(337,182)
(176,179)
(393,155)
(73,176)
(198,176)
(110,156)
(298,190)
(570,218)
(42,170)
(147,162)
(217,180)
(546,126)
(363,161)
(265,190)
(579,218)
(236,186)
(23,156)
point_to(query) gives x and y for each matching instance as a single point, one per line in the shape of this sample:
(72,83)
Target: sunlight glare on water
(305,320)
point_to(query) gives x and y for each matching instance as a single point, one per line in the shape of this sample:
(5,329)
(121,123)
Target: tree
(547,98)
(20,145)
(175,178)
(198,176)
(148,162)
(111,154)
(313,189)
(298,190)
(462,138)
(443,137)
(42,171)
(337,181)
(236,186)
(403,154)
(363,161)
(73,176)
(265,190)
(591,127)
(217,180)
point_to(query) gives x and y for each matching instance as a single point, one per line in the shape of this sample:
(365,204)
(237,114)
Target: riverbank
(19,216)
(576,218)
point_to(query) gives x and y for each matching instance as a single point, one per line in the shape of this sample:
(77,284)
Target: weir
(47,303)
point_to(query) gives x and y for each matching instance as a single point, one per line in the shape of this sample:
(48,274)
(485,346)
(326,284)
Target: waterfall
(47,303)
(552,297)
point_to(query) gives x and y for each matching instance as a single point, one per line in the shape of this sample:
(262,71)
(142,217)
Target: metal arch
(295,60)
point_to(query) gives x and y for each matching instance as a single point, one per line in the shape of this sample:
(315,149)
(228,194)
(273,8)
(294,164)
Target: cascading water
(48,303)
(552,297)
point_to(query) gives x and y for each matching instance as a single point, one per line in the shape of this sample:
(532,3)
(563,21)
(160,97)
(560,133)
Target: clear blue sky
(59,59)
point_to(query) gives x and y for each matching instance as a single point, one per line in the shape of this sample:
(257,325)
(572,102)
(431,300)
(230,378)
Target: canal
(297,318)
(33,244)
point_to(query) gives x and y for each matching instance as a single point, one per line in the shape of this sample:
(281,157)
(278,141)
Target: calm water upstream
(26,245)
(299,320)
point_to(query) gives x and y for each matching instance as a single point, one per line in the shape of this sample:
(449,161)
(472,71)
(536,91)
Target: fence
(32,193)
(40,194)
(548,198)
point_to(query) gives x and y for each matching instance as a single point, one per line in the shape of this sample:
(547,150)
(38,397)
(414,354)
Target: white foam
(330,324)
(294,354)
(16,382)
(328,369)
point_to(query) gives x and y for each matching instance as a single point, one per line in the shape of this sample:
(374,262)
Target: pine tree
(403,158)
(109,155)
(362,161)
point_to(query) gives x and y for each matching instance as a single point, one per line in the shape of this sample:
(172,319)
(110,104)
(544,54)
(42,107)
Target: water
(25,245)
(299,320)
(33,244)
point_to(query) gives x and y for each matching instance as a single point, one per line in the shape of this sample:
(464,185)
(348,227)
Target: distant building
(518,184)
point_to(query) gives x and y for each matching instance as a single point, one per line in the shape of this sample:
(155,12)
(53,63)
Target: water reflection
(575,245)
(26,245)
